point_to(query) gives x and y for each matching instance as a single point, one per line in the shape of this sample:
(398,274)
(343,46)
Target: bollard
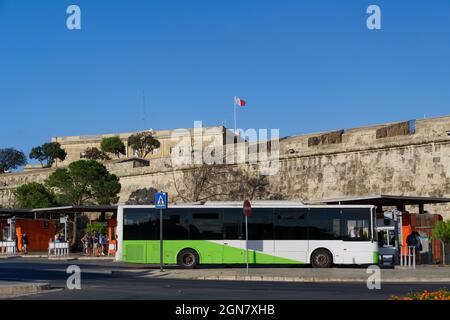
(7,248)
(58,249)
(408,256)
(401,256)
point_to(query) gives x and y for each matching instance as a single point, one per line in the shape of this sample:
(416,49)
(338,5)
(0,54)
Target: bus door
(291,235)
(357,235)
(261,242)
(260,236)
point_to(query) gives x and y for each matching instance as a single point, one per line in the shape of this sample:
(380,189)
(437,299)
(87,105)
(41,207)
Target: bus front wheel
(188,259)
(322,258)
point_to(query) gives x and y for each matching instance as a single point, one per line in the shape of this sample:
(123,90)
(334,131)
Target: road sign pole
(247,212)
(161,199)
(161,248)
(246,242)
(65,229)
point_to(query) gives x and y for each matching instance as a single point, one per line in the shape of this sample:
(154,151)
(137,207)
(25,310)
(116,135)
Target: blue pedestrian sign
(161,200)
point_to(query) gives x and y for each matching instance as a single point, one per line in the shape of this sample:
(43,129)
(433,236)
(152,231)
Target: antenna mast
(144,109)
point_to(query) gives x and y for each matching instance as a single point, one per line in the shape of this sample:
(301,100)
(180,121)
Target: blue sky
(303,66)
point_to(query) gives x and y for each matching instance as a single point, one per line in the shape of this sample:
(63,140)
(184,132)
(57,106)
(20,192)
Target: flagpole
(235,125)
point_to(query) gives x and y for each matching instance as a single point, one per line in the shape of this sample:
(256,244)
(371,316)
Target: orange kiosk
(112,236)
(423,223)
(37,231)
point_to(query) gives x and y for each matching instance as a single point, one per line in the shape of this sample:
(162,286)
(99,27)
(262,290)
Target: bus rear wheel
(322,258)
(188,259)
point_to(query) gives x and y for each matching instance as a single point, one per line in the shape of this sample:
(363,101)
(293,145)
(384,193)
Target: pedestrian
(413,240)
(100,244)
(25,243)
(84,241)
(95,244)
(4,249)
(88,244)
(105,245)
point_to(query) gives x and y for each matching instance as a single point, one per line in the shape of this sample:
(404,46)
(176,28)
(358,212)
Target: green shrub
(95,227)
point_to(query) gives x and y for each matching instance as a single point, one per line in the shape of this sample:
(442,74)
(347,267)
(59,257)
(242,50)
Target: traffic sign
(247,208)
(161,200)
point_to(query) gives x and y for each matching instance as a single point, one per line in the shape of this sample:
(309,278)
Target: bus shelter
(8,229)
(398,217)
(59,226)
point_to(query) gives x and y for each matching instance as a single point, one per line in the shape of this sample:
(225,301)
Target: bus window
(176,224)
(356,225)
(140,224)
(324,224)
(232,224)
(382,239)
(290,224)
(206,224)
(260,224)
(386,238)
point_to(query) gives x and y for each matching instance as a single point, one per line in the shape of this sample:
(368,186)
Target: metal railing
(408,257)
(58,249)
(7,248)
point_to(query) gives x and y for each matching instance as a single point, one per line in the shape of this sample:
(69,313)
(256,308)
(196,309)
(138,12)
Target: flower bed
(425,295)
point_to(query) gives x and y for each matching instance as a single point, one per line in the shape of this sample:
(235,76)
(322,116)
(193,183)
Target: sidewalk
(16,289)
(8,257)
(421,274)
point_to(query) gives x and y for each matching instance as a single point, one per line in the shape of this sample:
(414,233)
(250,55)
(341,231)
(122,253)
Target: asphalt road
(135,287)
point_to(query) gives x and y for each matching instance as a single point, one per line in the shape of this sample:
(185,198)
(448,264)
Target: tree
(37,153)
(84,182)
(113,145)
(95,227)
(221,182)
(143,143)
(48,153)
(95,154)
(252,185)
(10,159)
(442,232)
(33,196)
(142,197)
(217,181)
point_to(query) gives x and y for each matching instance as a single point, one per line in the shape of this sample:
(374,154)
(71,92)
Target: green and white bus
(279,233)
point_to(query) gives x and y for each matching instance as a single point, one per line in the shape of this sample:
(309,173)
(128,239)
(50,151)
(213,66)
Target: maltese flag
(239,102)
